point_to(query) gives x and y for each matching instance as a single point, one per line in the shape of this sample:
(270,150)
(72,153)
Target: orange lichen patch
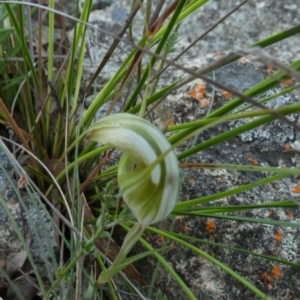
(226,94)
(270,278)
(170,122)
(204,102)
(211,226)
(276,271)
(243,60)
(296,189)
(287,83)
(269,68)
(287,146)
(252,160)
(185,229)
(267,279)
(185,103)
(263,276)
(198,92)
(160,240)
(278,236)
(289,214)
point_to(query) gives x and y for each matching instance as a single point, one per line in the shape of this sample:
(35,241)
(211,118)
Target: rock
(262,146)
(24,222)
(69,7)
(237,32)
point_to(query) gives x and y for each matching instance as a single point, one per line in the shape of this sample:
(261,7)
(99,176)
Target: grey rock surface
(254,21)
(265,146)
(24,219)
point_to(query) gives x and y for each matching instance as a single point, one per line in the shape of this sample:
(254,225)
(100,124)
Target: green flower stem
(130,240)
(148,174)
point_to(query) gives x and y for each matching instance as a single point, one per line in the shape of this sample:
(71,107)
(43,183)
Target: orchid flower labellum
(150,190)
(148,173)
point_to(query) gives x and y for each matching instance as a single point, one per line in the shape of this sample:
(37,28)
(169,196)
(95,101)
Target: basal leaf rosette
(149,185)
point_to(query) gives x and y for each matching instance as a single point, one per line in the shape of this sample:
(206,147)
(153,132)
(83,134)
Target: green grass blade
(267,257)
(245,219)
(229,134)
(193,202)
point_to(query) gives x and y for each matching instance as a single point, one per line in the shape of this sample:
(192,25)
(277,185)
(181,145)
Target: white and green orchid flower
(148,173)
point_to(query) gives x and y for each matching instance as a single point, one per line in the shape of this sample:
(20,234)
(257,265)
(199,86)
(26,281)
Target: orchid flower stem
(130,240)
